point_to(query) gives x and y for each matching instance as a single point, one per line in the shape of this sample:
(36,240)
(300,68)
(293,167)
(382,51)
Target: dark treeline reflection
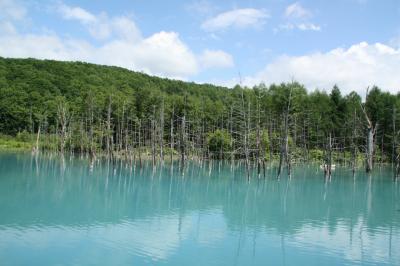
(48,191)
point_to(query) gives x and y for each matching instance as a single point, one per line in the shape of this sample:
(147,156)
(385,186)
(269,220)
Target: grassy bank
(8,143)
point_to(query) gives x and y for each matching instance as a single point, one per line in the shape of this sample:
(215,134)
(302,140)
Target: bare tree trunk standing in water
(328,162)
(63,119)
(395,154)
(36,150)
(172,133)
(285,143)
(108,145)
(354,144)
(140,142)
(182,140)
(153,137)
(182,144)
(245,129)
(258,142)
(371,130)
(162,131)
(397,170)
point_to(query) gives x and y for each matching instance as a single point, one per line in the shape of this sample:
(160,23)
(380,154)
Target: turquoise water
(67,214)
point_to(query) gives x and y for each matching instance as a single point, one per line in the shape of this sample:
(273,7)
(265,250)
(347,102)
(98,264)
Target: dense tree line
(86,108)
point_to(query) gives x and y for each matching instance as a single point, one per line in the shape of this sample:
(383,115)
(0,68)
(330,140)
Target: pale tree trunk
(162,131)
(371,130)
(36,150)
(172,134)
(63,119)
(153,137)
(230,132)
(328,163)
(140,142)
(354,146)
(285,143)
(183,140)
(258,142)
(370,148)
(246,137)
(108,146)
(394,137)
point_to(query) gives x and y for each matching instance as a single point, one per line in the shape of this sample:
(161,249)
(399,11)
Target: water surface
(54,213)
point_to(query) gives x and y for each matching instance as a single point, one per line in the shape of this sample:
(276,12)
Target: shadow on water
(168,214)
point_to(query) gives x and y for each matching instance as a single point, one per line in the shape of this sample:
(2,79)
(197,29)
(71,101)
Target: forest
(95,110)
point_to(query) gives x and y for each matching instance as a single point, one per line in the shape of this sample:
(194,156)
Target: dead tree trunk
(90,120)
(162,131)
(370,148)
(328,161)
(271,145)
(153,137)
(246,126)
(140,142)
(183,140)
(258,142)
(172,134)
(108,124)
(354,145)
(394,137)
(36,150)
(285,143)
(230,132)
(371,130)
(63,120)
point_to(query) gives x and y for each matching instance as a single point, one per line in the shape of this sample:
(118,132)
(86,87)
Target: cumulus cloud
(297,18)
(237,18)
(162,53)
(76,13)
(101,26)
(355,68)
(297,11)
(216,59)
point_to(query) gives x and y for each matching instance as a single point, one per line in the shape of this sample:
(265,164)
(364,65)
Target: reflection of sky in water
(69,215)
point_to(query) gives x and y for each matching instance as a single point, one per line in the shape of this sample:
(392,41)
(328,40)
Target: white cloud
(101,26)
(237,18)
(162,53)
(354,68)
(301,26)
(216,59)
(308,26)
(76,13)
(297,11)
(125,28)
(297,18)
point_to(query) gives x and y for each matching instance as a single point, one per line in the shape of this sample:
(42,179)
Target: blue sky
(352,43)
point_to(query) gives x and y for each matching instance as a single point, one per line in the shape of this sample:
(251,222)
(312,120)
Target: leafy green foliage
(219,142)
(32,93)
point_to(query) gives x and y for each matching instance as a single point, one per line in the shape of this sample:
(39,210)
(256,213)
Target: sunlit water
(65,214)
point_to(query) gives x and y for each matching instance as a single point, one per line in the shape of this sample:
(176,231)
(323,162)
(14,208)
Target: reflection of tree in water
(57,193)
